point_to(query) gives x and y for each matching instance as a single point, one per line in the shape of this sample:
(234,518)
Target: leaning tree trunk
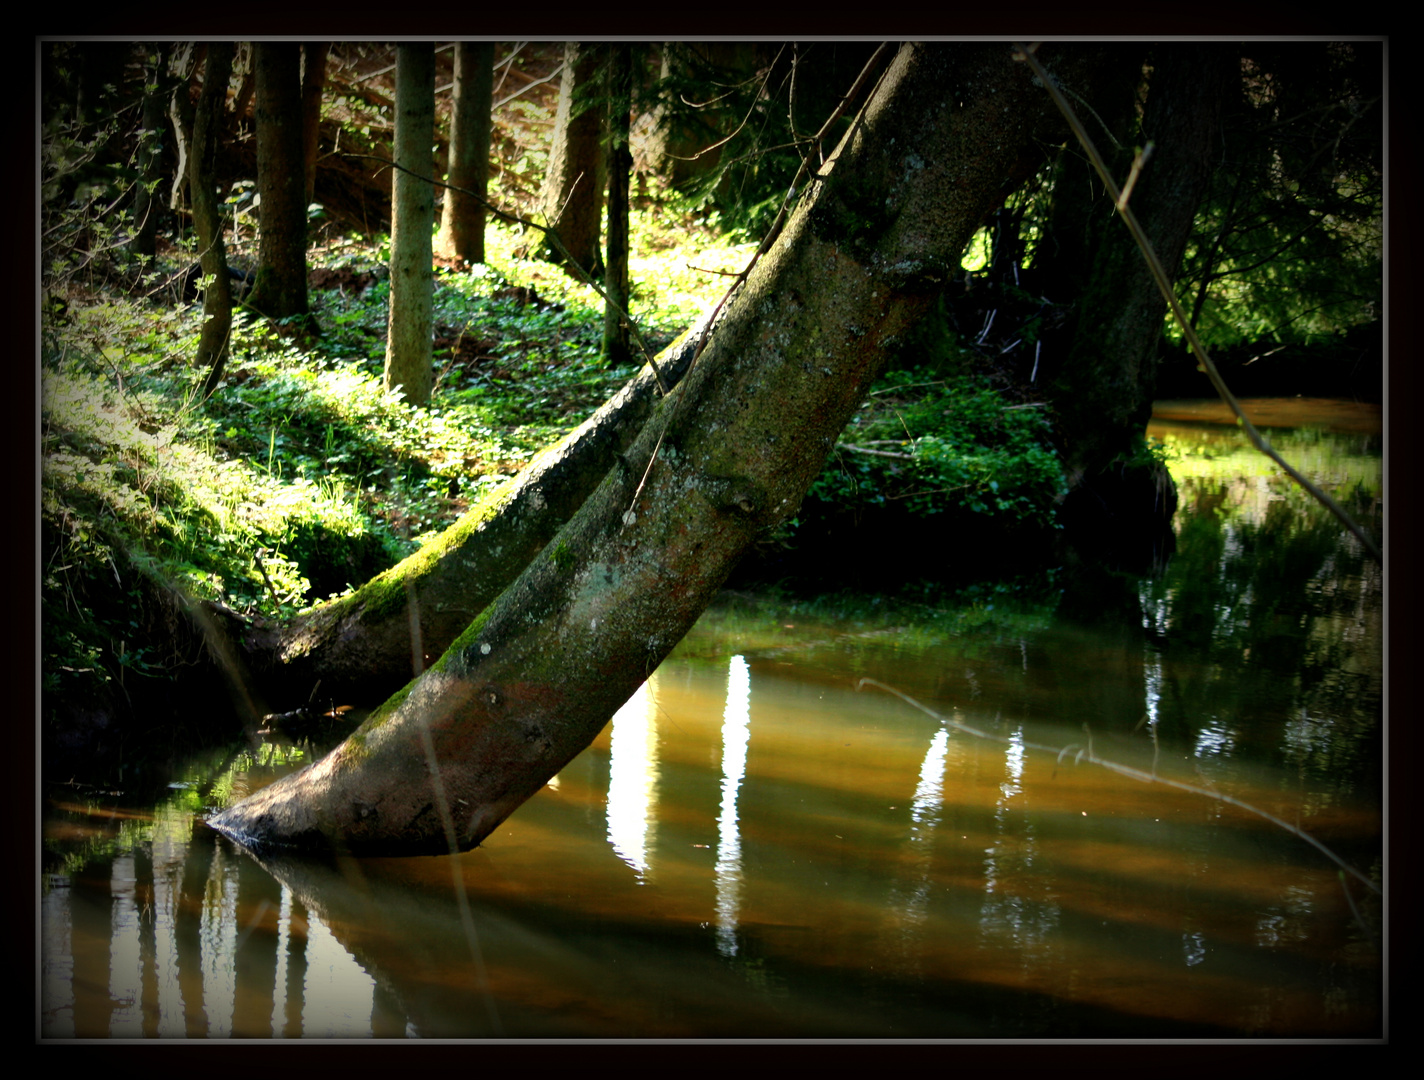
(207,214)
(462,217)
(280,291)
(366,646)
(408,337)
(725,457)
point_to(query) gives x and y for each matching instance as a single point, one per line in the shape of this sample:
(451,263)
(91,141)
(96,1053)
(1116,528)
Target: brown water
(756,848)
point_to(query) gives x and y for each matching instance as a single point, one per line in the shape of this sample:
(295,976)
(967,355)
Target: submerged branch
(1136,774)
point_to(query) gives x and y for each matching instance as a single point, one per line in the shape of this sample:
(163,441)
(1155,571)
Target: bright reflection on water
(754,848)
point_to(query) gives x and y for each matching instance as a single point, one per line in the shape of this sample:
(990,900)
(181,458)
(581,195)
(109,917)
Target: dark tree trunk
(280,291)
(207,213)
(616,350)
(727,456)
(572,200)
(1103,390)
(313,82)
(462,218)
(146,202)
(408,339)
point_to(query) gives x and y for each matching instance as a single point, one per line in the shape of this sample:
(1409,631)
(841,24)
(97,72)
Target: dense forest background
(244,477)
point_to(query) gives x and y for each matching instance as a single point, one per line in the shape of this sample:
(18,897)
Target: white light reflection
(924,809)
(1016,907)
(909,896)
(170,850)
(279,981)
(338,997)
(736,730)
(633,778)
(218,945)
(125,962)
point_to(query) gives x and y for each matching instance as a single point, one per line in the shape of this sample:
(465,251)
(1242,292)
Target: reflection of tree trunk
(408,338)
(573,187)
(462,218)
(726,457)
(207,214)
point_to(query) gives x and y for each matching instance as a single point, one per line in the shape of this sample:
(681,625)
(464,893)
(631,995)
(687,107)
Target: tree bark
(408,339)
(572,200)
(1103,392)
(150,153)
(180,112)
(313,82)
(616,350)
(462,218)
(280,291)
(726,456)
(207,214)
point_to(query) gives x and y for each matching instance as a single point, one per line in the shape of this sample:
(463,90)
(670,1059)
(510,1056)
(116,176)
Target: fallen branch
(1086,754)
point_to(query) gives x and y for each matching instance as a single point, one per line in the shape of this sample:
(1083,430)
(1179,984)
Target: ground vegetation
(168,511)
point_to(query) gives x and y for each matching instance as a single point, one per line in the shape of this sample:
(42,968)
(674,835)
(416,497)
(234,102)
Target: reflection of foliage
(1270,609)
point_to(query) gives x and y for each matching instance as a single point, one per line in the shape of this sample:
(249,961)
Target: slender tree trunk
(462,218)
(207,213)
(313,82)
(180,112)
(280,291)
(572,200)
(727,456)
(150,154)
(616,350)
(408,340)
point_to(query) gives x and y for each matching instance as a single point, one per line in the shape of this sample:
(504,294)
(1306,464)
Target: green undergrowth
(930,444)
(301,477)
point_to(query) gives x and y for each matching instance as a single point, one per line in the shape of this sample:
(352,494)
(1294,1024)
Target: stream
(764,844)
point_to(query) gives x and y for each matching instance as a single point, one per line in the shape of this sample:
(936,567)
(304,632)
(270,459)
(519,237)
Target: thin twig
(1086,754)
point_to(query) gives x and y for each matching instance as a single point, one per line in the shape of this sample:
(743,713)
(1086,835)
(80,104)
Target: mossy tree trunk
(462,217)
(726,456)
(409,334)
(207,213)
(366,646)
(280,291)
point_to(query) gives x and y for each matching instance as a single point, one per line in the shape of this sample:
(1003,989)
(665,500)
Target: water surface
(756,847)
